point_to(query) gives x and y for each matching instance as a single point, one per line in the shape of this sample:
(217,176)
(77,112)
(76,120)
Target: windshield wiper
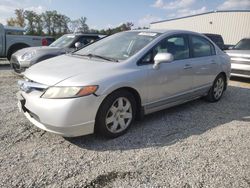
(98,56)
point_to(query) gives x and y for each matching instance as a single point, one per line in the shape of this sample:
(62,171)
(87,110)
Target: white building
(232,25)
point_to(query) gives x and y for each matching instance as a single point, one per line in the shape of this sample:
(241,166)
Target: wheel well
(139,109)
(17,46)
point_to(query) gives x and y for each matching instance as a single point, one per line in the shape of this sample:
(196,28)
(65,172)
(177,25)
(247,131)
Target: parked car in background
(12,39)
(104,86)
(240,58)
(229,46)
(27,57)
(217,39)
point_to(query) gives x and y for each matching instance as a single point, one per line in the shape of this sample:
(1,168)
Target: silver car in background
(240,58)
(27,57)
(105,86)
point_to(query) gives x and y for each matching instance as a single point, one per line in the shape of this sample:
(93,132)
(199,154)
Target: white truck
(12,39)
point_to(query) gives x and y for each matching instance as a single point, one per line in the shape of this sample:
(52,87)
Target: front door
(172,80)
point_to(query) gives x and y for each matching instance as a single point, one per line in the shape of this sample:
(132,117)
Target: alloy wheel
(218,88)
(119,115)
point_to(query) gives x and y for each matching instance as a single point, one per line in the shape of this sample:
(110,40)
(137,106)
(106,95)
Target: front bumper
(18,65)
(240,69)
(66,117)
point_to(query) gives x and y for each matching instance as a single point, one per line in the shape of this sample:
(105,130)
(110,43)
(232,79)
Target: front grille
(244,72)
(240,62)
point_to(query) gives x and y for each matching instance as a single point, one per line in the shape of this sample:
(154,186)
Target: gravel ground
(197,144)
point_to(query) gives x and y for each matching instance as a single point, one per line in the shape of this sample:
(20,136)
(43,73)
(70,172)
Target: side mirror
(162,58)
(78,45)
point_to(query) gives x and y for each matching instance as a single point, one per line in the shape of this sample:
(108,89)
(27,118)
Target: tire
(116,114)
(216,91)
(12,51)
(15,49)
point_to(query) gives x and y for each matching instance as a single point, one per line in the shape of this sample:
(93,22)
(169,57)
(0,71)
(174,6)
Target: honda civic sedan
(105,86)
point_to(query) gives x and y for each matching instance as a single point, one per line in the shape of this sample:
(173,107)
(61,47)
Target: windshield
(63,41)
(119,46)
(244,44)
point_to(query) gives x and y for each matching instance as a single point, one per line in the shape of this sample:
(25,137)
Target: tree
(30,16)
(47,18)
(39,24)
(11,22)
(73,25)
(126,26)
(123,27)
(55,24)
(83,26)
(19,20)
(65,24)
(79,25)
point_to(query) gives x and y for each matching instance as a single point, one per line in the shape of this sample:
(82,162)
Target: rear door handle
(187,66)
(213,62)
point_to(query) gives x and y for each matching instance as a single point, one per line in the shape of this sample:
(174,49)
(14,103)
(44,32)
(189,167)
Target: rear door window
(201,47)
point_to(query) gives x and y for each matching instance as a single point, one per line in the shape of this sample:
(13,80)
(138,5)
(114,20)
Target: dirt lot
(197,144)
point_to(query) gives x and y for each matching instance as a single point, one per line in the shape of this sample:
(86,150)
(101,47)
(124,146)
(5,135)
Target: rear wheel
(216,91)
(116,114)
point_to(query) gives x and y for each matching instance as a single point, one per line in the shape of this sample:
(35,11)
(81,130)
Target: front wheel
(116,114)
(216,91)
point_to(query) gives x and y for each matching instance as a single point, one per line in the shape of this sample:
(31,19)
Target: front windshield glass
(63,42)
(119,46)
(244,44)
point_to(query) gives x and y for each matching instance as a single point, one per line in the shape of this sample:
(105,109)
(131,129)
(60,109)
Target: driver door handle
(213,62)
(187,66)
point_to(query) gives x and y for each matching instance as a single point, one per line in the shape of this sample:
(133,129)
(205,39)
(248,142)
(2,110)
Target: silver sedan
(105,86)
(26,57)
(240,58)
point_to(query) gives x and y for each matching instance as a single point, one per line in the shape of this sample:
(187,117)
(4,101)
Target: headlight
(28,55)
(68,92)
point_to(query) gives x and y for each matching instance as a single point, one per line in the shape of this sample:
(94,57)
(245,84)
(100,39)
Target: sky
(103,14)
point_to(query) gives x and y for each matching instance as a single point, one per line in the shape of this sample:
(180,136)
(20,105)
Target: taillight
(44,42)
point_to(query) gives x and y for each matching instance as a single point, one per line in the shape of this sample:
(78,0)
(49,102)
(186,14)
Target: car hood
(55,70)
(238,53)
(40,50)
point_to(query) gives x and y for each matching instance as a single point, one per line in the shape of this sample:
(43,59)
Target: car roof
(84,34)
(212,34)
(165,31)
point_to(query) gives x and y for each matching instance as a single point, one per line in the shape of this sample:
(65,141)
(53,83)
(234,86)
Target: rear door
(205,63)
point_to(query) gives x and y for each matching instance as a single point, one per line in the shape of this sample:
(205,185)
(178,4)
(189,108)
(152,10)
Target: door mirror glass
(78,45)
(162,58)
